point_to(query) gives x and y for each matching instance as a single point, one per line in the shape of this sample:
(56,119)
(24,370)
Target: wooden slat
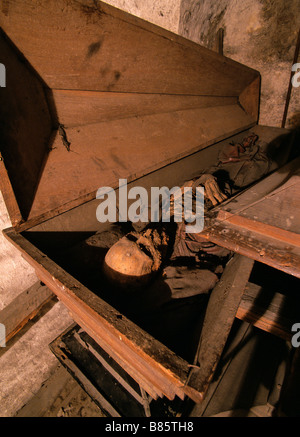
(77,108)
(220,314)
(256,246)
(260,228)
(23,308)
(157,369)
(272,312)
(89,45)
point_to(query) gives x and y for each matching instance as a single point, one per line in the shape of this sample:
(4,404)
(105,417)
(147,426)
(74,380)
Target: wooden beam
(260,228)
(270,311)
(255,246)
(9,196)
(220,314)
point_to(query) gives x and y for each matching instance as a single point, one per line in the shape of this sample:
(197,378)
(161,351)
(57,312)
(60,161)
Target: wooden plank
(23,308)
(220,314)
(262,190)
(260,228)
(256,246)
(101,154)
(157,369)
(227,358)
(77,108)
(115,51)
(236,224)
(281,206)
(83,218)
(272,312)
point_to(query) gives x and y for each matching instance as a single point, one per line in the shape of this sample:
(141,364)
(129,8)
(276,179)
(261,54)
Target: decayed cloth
(239,165)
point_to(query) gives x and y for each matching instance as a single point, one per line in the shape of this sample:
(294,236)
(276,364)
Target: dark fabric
(185,281)
(241,163)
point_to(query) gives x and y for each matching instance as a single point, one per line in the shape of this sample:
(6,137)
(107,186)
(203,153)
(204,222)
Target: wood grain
(23,308)
(256,246)
(220,314)
(276,316)
(77,108)
(9,196)
(260,228)
(101,154)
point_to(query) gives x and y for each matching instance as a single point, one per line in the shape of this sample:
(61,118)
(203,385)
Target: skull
(134,260)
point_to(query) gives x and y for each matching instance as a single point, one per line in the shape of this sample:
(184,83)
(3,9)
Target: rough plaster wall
(164,13)
(259,33)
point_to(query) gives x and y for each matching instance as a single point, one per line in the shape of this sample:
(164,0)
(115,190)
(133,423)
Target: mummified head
(135,259)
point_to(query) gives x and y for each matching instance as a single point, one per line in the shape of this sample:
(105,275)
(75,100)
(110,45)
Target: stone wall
(164,13)
(259,33)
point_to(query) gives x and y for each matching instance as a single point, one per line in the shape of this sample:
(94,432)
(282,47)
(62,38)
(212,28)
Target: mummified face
(134,260)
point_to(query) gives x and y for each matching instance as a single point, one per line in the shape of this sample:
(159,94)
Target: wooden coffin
(94,95)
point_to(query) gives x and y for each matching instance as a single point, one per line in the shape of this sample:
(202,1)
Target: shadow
(284,148)
(283,312)
(249,373)
(27,122)
(258,364)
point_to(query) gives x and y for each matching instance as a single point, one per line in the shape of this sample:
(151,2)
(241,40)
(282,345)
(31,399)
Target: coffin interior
(176,323)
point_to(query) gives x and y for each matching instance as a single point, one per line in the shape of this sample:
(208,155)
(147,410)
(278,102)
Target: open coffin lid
(94,95)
